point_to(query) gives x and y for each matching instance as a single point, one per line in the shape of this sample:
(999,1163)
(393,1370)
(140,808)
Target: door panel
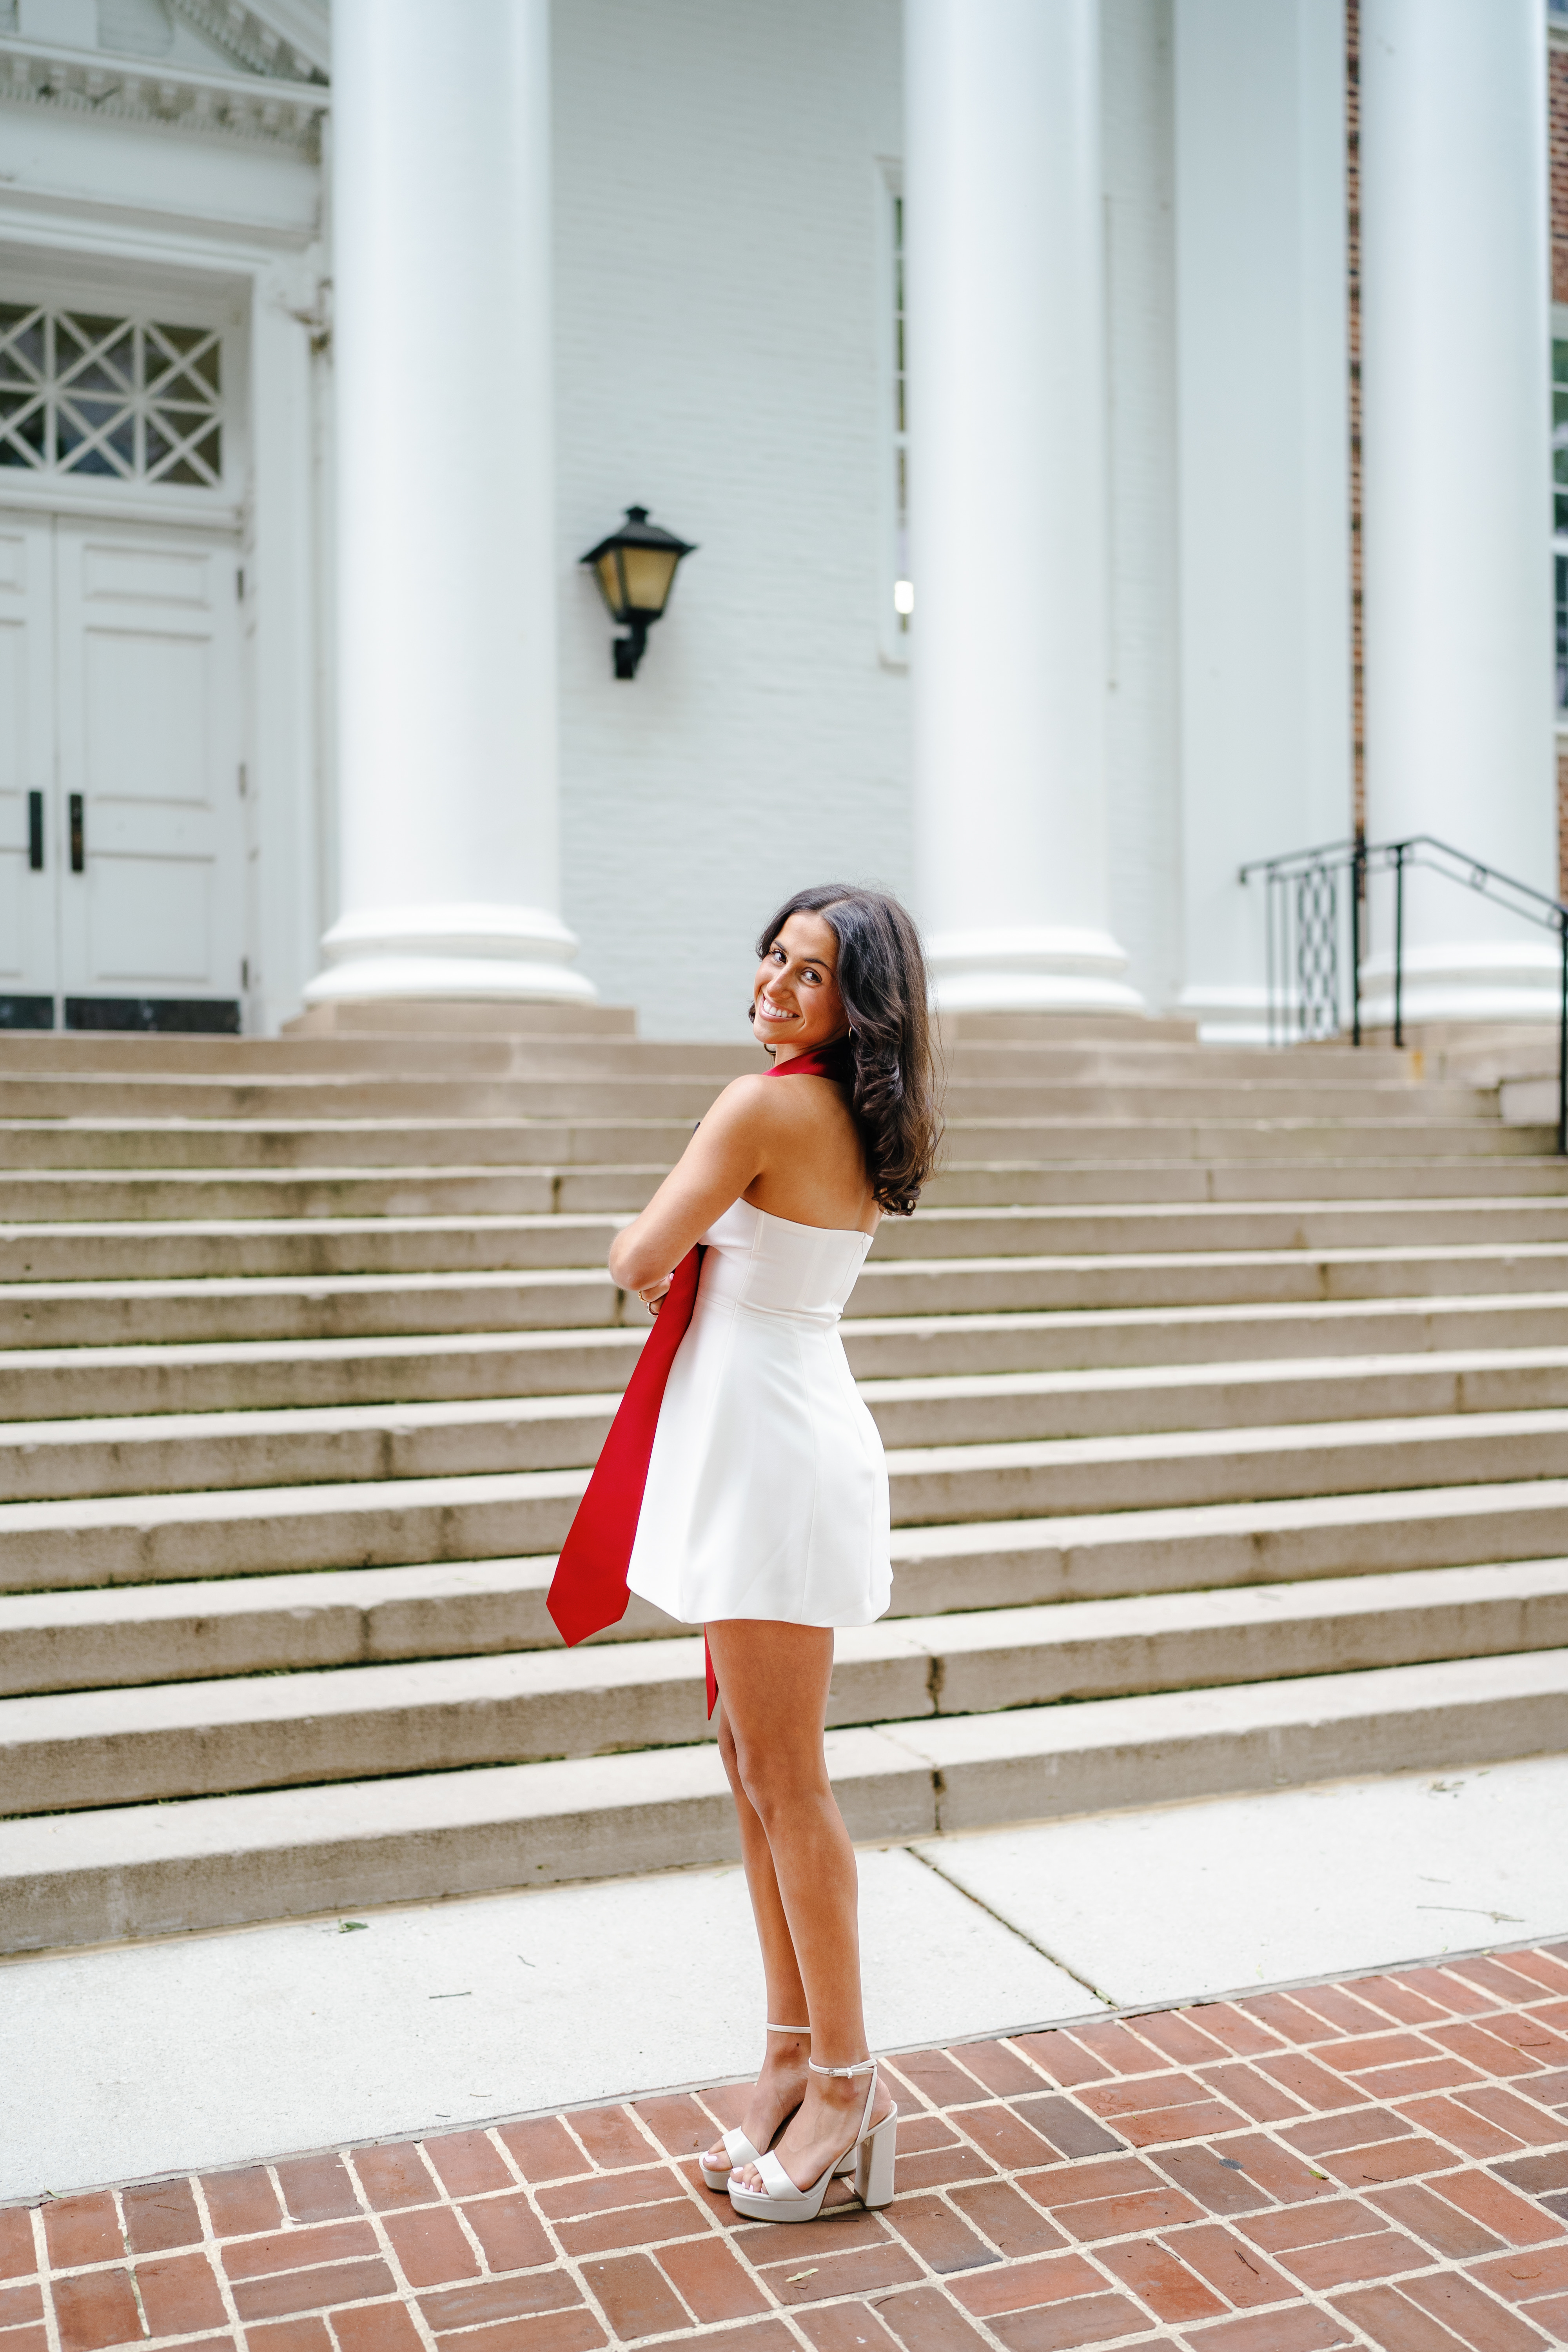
(27,898)
(148,721)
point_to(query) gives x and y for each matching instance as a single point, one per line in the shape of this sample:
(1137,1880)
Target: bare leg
(781,2085)
(773,1680)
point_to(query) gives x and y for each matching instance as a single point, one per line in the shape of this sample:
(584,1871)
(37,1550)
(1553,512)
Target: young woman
(764,1515)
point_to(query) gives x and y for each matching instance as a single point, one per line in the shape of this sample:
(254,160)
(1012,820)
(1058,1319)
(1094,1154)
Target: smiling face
(796,989)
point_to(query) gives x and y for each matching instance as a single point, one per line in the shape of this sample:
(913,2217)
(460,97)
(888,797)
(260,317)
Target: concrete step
(421,1101)
(1033,1563)
(425,1017)
(97,1314)
(1529,1102)
(918,1286)
(247,1374)
(239,1532)
(82,1877)
(356,1143)
(128,1055)
(1009,1407)
(1180,1468)
(130,1746)
(1049,1028)
(167,1453)
(241,1376)
(132,1058)
(278,1142)
(172,1452)
(939,1231)
(990,1564)
(117,1636)
(46,1196)
(47,1193)
(963,1180)
(81,1250)
(1114,1062)
(214,1248)
(434,1099)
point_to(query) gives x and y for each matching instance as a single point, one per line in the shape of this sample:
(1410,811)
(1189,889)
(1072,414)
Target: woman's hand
(653,1296)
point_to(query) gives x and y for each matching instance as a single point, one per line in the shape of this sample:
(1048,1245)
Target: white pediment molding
(275,110)
(305,25)
(290,39)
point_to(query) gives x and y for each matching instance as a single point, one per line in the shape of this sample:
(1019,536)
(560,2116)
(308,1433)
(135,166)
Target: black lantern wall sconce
(635,568)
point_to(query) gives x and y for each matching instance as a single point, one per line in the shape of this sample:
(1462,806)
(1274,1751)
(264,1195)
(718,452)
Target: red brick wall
(1352,273)
(1557,82)
(1558,66)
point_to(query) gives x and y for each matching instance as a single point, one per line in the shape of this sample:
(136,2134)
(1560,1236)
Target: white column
(1263,465)
(1143,708)
(1457,514)
(282,612)
(445,562)
(1008,503)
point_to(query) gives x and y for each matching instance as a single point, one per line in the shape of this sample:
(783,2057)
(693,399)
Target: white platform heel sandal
(870,2155)
(737,2147)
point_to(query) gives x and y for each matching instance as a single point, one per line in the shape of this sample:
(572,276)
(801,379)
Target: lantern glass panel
(649,573)
(608,569)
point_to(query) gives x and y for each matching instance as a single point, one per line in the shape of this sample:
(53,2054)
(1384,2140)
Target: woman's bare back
(819,1178)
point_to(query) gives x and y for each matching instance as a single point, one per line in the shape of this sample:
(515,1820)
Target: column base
(1029,972)
(1484,979)
(475,951)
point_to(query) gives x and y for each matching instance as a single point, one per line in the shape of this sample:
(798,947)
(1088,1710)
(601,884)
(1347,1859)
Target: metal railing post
(1272,953)
(1358,868)
(1399,943)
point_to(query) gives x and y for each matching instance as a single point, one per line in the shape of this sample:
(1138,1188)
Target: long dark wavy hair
(887,1065)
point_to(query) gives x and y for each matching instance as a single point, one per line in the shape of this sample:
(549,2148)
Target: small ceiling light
(635,568)
(903,598)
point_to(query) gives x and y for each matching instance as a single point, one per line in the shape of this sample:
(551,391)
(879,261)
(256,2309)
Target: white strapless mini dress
(767,1487)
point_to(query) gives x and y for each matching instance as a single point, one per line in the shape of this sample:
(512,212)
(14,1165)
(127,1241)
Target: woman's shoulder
(757,1095)
(764,1107)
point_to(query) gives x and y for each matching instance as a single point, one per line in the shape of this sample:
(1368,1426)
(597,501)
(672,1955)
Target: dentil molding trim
(271,110)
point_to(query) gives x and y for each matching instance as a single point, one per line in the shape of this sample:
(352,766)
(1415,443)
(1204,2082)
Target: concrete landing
(127,2060)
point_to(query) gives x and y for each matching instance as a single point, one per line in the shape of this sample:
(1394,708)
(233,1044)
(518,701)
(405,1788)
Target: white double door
(121,839)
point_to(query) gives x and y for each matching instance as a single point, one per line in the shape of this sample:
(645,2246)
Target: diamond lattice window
(135,399)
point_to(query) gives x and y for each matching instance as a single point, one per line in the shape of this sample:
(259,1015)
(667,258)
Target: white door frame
(279,503)
(30,844)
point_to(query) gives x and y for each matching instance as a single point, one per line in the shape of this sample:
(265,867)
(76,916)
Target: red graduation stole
(588,1591)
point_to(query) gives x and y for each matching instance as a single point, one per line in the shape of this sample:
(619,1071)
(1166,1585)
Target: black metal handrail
(1313,919)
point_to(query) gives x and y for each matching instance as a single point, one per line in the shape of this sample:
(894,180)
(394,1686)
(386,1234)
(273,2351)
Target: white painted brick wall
(719,299)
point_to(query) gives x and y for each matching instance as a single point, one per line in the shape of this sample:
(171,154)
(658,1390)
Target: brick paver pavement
(1378,2161)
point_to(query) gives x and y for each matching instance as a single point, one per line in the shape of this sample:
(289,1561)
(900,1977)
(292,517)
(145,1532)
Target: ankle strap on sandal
(864,2066)
(772,2028)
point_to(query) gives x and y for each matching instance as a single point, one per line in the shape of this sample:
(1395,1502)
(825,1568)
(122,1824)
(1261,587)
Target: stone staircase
(1225,1395)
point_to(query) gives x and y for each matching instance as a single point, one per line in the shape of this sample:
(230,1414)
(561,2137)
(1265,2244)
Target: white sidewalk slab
(1231,1893)
(212,2050)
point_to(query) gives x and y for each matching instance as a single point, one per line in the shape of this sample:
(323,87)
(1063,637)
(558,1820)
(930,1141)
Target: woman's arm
(727,1153)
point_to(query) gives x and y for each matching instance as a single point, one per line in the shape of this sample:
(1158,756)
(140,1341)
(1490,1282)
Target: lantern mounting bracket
(629,650)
